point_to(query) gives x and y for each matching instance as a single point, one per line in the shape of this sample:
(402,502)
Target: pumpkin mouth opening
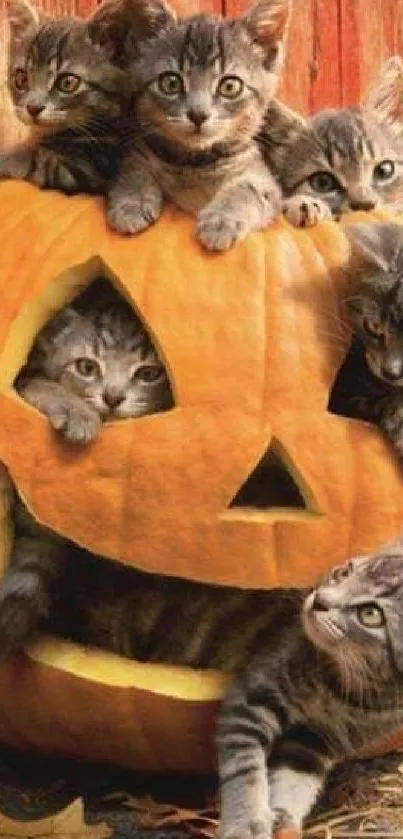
(275,488)
(354,392)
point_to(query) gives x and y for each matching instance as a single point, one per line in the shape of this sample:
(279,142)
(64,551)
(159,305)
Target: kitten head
(357,610)
(98,349)
(205,80)
(351,158)
(66,73)
(375,304)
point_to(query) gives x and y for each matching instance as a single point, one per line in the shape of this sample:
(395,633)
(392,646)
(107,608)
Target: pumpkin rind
(249,340)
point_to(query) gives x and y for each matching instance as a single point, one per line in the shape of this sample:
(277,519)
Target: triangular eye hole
(273,485)
(356,390)
(99,348)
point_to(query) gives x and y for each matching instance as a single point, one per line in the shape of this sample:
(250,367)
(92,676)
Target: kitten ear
(385,96)
(57,327)
(267,21)
(117,22)
(24,19)
(378,245)
(284,124)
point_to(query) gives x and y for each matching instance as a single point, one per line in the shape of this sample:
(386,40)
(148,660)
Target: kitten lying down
(340,160)
(317,674)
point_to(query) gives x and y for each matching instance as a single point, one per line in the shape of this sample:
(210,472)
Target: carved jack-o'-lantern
(248,480)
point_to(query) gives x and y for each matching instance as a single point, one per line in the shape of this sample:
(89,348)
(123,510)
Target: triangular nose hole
(355,391)
(130,373)
(273,484)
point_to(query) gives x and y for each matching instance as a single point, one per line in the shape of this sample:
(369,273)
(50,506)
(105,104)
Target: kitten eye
(230,87)
(373,328)
(67,82)
(170,84)
(370,615)
(384,171)
(323,182)
(20,79)
(149,373)
(87,367)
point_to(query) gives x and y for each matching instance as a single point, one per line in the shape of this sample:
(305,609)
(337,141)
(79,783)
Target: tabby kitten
(91,363)
(340,160)
(202,88)
(370,383)
(317,674)
(67,83)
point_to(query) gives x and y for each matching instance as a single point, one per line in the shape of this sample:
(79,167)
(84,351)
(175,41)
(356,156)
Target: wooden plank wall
(334,48)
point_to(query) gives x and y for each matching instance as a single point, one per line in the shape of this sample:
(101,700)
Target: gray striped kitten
(202,86)
(67,83)
(317,674)
(93,362)
(341,160)
(370,384)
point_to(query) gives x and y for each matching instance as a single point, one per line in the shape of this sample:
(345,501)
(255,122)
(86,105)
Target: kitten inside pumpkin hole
(95,348)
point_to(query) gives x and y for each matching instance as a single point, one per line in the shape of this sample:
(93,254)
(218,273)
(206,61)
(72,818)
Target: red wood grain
(299,68)
(325,63)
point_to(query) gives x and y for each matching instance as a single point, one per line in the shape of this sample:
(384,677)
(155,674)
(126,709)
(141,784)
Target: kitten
(341,160)
(203,85)
(91,363)
(94,362)
(370,383)
(317,675)
(67,83)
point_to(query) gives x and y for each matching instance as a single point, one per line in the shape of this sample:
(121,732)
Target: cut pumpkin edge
(91,664)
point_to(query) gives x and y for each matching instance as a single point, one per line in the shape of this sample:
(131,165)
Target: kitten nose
(319,603)
(363,205)
(34,110)
(113,398)
(197,116)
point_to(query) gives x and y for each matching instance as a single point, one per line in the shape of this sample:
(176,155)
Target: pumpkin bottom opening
(96,665)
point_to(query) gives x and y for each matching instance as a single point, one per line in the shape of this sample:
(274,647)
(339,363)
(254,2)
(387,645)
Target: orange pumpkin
(248,339)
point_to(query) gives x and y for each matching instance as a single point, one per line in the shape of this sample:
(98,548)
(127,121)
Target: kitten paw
(13,166)
(305,211)
(217,233)
(133,216)
(76,424)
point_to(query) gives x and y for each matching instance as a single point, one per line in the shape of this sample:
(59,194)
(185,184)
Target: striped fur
(196,146)
(312,682)
(76,139)
(340,160)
